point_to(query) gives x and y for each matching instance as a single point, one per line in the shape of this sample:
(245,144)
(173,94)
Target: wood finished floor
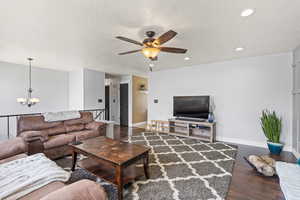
(246,184)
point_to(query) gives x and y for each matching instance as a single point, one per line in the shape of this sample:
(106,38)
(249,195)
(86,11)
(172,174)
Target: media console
(193,129)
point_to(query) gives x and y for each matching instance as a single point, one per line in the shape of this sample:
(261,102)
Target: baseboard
(250,143)
(296,154)
(139,124)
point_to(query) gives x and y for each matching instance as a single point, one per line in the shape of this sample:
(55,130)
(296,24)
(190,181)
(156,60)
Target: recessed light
(239,49)
(247,12)
(186,58)
(151,65)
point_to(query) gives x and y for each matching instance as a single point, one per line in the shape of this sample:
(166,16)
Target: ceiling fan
(152,46)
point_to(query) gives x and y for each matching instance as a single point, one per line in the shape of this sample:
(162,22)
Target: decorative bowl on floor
(275,148)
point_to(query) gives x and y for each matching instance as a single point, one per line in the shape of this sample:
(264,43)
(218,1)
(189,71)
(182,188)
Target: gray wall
(240,88)
(51,86)
(94,89)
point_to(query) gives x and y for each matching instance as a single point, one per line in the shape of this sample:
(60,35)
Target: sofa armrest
(31,136)
(12,147)
(81,190)
(95,126)
(11,158)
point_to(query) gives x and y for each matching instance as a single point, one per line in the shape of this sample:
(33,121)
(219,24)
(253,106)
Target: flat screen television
(191,107)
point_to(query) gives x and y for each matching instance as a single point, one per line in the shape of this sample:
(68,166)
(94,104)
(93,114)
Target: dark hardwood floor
(246,184)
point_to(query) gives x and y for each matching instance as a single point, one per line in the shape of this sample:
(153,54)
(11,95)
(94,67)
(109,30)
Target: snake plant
(271,125)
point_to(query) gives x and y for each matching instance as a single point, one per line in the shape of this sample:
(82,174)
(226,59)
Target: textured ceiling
(68,34)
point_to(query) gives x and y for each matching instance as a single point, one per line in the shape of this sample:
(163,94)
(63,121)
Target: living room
(160,100)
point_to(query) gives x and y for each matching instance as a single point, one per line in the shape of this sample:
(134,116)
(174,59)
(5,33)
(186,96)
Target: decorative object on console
(143,89)
(29,101)
(211,117)
(271,125)
(212,107)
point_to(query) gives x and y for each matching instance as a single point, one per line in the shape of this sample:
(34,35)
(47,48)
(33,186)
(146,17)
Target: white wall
(51,86)
(76,90)
(86,87)
(94,89)
(241,89)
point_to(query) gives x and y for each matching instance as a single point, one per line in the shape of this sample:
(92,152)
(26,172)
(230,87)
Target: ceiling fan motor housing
(150,33)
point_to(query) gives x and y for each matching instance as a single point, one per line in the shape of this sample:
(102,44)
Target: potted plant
(271,125)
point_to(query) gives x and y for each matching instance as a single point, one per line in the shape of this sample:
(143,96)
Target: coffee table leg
(146,165)
(119,181)
(74,159)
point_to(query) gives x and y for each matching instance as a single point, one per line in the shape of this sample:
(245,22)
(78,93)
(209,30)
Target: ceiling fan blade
(129,40)
(128,52)
(165,37)
(173,50)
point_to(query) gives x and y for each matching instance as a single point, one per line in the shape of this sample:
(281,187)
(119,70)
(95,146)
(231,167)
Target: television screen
(191,106)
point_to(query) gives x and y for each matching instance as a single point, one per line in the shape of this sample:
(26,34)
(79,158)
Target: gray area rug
(180,168)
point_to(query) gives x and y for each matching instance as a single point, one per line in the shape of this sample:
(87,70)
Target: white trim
(296,154)
(139,123)
(250,143)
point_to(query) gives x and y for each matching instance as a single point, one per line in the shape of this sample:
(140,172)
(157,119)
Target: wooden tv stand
(193,129)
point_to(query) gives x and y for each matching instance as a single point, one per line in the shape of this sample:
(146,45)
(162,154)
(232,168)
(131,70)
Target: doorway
(107,102)
(124,104)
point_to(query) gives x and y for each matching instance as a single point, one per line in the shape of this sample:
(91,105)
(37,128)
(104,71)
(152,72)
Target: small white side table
(109,128)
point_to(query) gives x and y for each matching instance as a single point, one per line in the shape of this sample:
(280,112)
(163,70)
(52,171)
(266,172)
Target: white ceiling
(68,34)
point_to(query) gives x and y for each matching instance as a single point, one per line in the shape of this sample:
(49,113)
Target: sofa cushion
(75,127)
(33,123)
(44,191)
(81,190)
(12,147)
(86,117)
(56,130)
(59,140)
(86,134)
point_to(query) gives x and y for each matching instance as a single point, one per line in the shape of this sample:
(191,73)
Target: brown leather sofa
(81,190)
(52,138)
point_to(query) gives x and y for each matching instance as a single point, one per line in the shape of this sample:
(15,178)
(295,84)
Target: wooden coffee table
(116,154)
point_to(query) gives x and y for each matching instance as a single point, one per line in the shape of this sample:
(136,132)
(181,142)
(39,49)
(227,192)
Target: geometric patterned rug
(179,168)
(183,168)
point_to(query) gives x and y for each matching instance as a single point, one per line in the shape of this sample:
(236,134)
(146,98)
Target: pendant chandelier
(29,101)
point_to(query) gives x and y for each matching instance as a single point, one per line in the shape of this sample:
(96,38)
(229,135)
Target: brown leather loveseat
(52,138)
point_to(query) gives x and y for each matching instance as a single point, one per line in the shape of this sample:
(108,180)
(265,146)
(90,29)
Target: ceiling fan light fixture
(150,52)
